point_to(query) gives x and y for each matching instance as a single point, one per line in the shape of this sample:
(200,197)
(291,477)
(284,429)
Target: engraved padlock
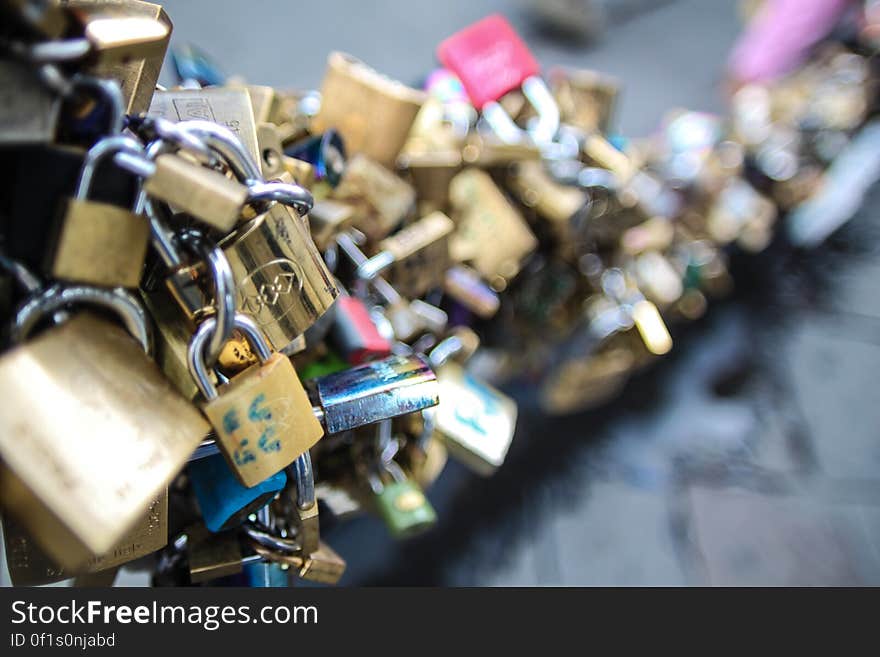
(101,243)
(280,277)
(263,417)
(77,473)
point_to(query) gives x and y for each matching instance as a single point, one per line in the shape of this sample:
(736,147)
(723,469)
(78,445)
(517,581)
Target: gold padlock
(586,98)
(100,243)
(262,417)
(227,106)
(380,198)
(202,193)
(31,566)
(372,112)
(92,430)
(281,279)
(137,75)
(491,235)
(418,255)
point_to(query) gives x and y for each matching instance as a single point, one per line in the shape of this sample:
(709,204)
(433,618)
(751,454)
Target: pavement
(748,456)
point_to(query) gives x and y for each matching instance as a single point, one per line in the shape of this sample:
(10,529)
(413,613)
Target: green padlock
(402,504)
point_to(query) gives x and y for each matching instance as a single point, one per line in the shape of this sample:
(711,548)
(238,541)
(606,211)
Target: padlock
(226,106)
(324,565)
(466,287)
(430,173)
(30,566)
(212,556)
(271,150)
(557,204)
(262,417)
(419,255)
(484,217)
(77,474)
(223,500)
(372,112)
(100,243)
(29,110)
(327,219)
(373,392)
(326,153)
(399,312)
(475,421)
(401,503)
(380,198)
(491,60)
(586,98)
(138,74)
(354,335)
(203,193)
(280,277)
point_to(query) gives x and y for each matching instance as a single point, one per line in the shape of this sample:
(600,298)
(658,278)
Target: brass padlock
(281,279)
(491,236)
(101,243)
(418,255)
(263,417)
(555,203)
(28,110)
(30,566)
(586,98)
(226,106)
(202,193)
(323,565)
(371,111)
(380,198)
(212,555)
(80,473)
(136,75)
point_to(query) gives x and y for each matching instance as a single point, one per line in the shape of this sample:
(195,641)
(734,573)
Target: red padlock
(355,335)
(492,60)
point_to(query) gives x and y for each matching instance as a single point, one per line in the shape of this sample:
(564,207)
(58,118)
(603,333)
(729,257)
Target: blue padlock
(326,152)
(224,502)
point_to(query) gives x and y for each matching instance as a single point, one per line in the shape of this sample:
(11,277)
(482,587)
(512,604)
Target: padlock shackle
(224,289)
(195,355)
(121,145)
(304,476)
(56,297)
(299,198)
(27,280)
(111,92)
(224,142)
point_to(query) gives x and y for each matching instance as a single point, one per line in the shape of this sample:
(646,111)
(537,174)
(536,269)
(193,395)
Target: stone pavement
(750,455)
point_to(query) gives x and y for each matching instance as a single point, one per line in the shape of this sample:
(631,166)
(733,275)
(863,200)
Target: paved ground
(750,456)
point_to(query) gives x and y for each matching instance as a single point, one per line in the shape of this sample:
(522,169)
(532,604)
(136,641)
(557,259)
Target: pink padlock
(491,60)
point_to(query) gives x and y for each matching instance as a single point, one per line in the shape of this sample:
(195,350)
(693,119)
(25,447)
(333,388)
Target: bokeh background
(749,455)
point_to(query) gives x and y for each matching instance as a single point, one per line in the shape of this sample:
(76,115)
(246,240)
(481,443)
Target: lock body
(372,112)
(92,434)
(405,509)
(475,421)
(263,419)
(281,279)
(29,565)
(101,244)
(222,498)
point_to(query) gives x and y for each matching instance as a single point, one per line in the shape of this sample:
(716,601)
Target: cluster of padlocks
(225,302)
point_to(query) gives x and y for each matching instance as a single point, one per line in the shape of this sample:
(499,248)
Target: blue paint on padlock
(325,152)
(224,502)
